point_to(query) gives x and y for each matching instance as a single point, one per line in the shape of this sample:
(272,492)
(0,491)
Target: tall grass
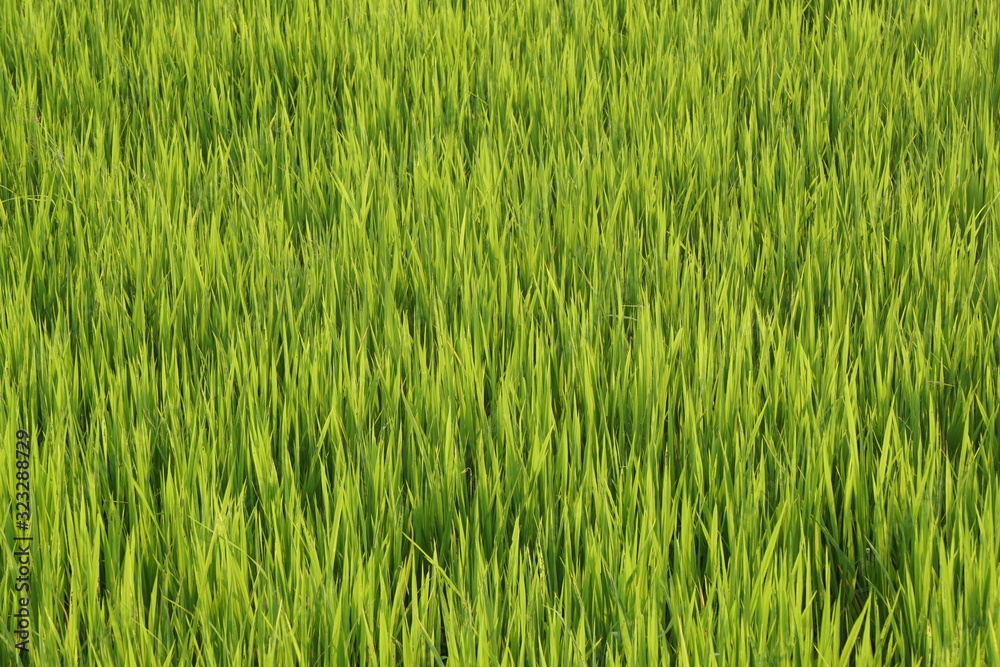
(596,332)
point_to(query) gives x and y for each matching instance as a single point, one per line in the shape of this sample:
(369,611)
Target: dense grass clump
(477,332)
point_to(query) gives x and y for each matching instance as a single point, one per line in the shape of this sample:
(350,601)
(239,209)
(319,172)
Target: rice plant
(471,332)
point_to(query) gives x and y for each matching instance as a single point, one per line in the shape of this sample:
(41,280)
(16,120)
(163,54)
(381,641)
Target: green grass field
(484,333)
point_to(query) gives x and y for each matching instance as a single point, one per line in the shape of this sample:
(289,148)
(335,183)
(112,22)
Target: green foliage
(526,333)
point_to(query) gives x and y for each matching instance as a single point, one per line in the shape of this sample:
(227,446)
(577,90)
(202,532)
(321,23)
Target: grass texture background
(486,333)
